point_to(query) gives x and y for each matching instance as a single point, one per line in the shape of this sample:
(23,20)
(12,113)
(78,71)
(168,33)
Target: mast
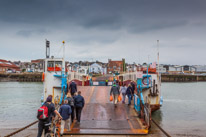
(63,64)
(158,57)
(47,48)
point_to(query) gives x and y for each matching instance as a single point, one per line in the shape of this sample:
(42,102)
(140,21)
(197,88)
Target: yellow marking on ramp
(90,95)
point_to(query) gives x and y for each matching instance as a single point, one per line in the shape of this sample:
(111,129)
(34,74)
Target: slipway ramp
(100,117)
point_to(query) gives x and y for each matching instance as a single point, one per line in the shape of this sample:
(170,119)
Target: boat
(98,115)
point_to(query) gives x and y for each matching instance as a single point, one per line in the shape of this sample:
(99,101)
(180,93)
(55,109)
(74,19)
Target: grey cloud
(24,33)
(149,26)
(103,14)
(28,33)
(106,22)
(95,24)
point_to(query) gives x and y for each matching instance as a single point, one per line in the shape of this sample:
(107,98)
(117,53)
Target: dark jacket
(65,111)
(79,101)
(114,90)
(73,87)
(133,87)
(129,91)
(70,101)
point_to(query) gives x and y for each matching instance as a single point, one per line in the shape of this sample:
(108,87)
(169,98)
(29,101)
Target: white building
(200,68)
(95,68)
(83,69)
(161,69)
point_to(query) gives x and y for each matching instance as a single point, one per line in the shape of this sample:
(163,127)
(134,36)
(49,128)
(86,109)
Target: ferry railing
(137,103)
(75,75)
(139,106)
(147,115)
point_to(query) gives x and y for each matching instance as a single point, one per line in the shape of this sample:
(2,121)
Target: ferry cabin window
(50,64)
(58,64)
(54,66)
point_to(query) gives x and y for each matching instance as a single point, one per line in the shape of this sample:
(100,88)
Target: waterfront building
(176,69)
(116,66)
(161,68)
(200,68)
(37,65)
(95,68)
(8,67)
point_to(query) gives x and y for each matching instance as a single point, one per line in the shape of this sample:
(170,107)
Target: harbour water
(183,112)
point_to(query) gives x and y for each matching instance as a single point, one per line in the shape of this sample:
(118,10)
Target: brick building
(116,66)
(8,66)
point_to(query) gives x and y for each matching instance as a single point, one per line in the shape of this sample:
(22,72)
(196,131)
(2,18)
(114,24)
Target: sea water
(183,112)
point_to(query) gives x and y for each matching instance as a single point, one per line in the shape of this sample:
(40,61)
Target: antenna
(63,50)
(158,57)
(63,55)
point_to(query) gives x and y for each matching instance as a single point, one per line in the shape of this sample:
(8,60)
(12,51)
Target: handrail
(147,116)
(21,129)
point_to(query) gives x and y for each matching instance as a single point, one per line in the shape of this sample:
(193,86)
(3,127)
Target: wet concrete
(100,116)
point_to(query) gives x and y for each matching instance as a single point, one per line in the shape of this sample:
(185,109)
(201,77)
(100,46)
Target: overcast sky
(102,29)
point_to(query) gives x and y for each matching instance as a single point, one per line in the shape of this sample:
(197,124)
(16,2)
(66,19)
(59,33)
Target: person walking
(71,103)
(123,91)
(44,124)
(65,111)
(79,104)
(115,91)
(73,88)
(106,82)
(129,94)
(133,89)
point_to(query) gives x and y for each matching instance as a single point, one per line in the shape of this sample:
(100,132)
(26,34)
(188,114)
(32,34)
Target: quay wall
(182,78)
(21,77)
(37,77)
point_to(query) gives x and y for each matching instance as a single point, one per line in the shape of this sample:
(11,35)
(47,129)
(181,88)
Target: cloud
(102,29)
(155,26)
(28,33)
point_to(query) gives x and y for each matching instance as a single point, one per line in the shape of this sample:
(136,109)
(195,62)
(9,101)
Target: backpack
(70,101)
(42,113)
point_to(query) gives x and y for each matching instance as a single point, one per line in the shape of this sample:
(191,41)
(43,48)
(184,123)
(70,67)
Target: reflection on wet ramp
(99,116)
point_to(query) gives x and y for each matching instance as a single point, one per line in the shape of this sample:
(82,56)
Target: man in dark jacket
(79,104)
(115,91)
(73,88)
(65,111)
(129,94)
(133,89)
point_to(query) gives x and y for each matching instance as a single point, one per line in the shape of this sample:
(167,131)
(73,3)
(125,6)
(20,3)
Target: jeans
(65,124)
(129,98)
(78,113)
(123,97)
(41,127)
(115,98)
(72,114)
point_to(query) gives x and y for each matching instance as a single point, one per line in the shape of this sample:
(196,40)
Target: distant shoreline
(20,77)
(37,77)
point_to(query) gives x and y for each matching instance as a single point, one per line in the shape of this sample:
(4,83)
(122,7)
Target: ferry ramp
(100,117)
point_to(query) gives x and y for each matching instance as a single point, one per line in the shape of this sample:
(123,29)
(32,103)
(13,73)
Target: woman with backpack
(44,115)
(71,103)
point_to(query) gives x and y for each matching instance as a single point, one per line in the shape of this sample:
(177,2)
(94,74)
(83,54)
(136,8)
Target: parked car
(180,72)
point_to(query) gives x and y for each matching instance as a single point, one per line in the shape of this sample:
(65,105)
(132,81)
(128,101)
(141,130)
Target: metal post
(47,48)
(63,64)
